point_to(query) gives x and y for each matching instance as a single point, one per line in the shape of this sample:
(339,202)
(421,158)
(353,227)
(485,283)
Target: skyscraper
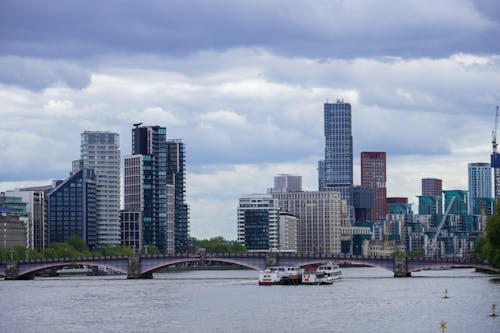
(373,176)
(100,151)
(480,191)
(176,177)
(336,170)
(287,183)
(146,188)
(432,186)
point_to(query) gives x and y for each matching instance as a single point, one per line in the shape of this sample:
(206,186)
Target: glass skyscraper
(176,177)
(146,188)
(100,151)
(480,189)
(336,170)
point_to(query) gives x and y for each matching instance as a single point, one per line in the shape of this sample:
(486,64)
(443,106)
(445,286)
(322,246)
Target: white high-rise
(101,151)
(480,189)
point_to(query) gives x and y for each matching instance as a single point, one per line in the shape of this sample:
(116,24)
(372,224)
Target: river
(366,300)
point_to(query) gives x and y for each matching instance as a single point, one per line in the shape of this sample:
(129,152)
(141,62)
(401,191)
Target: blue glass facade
(151,143)
(176,176)
(257,229)
(72,209)
(336,170)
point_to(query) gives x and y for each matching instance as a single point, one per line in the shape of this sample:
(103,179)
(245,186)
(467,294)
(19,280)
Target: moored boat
(281,275)
(324,274)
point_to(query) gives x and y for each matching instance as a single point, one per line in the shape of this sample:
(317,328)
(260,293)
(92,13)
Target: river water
(366,300)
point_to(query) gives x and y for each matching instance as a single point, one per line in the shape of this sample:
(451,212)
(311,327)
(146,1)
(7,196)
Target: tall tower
(100,151)
(176,177)
(336,170)
(431,199)
(479,188)
(287,183)
(146,188)
(373,176)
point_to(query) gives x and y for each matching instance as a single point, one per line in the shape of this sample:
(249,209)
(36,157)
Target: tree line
(487,246)
(75,246)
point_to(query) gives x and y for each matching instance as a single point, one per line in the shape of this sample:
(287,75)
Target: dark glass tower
(150,142)
(176,176)
(336,170)
(72,208)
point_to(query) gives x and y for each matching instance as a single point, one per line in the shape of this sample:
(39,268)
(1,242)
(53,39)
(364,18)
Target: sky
(243,84)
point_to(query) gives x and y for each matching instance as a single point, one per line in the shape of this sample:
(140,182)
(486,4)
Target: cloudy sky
(243,84)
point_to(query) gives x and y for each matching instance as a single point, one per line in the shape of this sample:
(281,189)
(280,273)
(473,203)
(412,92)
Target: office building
(373,176)
(176,177)
(258,228)
(363,203)
(72,208)
(480,191)
(336,170)
(146,190)
(287,183)
(287,232)
(100,151)
(320,216)
(12,230)
(457,206)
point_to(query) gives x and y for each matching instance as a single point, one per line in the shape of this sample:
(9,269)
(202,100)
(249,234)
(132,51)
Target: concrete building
(12,230)
(320,214)
(100,151)
(480,190)
(287,183)
(36,209)
(335,172)
(373,176)
(15,206)
(146,190)
(72,208)
(287,232)
(176,177)
(258,218)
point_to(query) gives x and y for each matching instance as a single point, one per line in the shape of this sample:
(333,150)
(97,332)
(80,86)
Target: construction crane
(434,240)
(495,161)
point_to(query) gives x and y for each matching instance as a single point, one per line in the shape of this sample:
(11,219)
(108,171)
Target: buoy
(493,308)
(446,293)
(442,326)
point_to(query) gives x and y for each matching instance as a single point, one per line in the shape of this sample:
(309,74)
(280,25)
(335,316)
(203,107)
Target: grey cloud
(37,74)
(321,29)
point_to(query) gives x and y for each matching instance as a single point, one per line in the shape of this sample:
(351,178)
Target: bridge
(143,266)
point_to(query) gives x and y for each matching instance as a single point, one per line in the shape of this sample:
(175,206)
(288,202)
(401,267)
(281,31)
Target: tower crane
(495,161)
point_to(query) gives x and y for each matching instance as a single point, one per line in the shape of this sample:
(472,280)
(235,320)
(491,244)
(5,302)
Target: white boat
(324,274)
(281,275)
(82,270)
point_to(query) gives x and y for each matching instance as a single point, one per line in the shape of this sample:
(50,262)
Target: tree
(77,243)
(488,245)
(150,249)
(219,245)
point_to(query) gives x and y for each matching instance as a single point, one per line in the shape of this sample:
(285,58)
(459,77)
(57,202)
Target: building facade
(12,230)
(373,176)
(480,190)
(288,232)
(320,215)
(287,183)
(258,217)
(176,177)
(72,209)
(145,187)
(336,170)
(363,203)
(100,151)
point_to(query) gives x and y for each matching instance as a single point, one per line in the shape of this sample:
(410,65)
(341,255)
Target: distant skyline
(243,84)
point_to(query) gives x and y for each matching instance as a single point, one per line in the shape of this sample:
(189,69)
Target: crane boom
(494,133)
(434,241)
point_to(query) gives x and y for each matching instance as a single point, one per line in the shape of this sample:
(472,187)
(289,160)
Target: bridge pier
(11,270)
(134,268)
(401,267)
(272,259)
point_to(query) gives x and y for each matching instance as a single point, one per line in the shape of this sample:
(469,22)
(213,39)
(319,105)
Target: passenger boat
(281,275)
(324,274)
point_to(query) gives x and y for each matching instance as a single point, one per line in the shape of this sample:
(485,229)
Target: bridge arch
(25,271)
(183,260)
(452,265)
(349,261)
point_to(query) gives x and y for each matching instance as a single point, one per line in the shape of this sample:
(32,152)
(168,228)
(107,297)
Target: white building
(100,151)
(288,232)
(320,218)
